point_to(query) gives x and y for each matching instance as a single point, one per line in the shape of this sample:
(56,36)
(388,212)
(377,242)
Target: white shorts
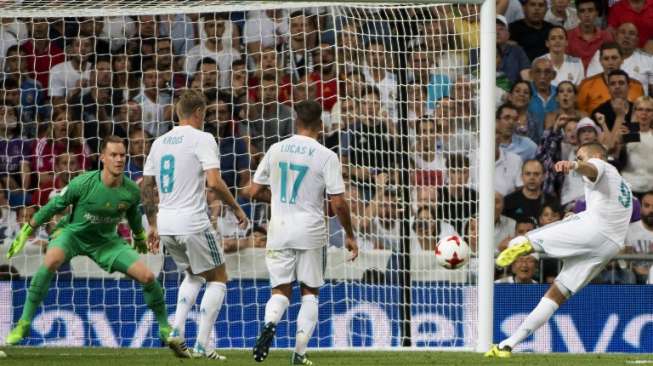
(583,249)
(304,265)
(197,252)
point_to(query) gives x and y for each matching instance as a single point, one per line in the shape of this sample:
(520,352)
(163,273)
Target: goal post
(407,91)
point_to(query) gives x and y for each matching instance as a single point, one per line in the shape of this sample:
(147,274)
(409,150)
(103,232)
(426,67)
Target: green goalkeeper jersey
(96,208)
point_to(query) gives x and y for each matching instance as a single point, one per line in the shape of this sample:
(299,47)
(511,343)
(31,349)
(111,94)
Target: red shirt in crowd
(585,50)
(622,12)
(45,151)
(40,63)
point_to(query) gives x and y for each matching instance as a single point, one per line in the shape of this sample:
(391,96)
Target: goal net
(398,86)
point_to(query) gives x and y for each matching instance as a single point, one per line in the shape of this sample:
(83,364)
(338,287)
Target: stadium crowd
(567,74)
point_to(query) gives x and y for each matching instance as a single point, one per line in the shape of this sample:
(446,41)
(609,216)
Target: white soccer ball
(452,252)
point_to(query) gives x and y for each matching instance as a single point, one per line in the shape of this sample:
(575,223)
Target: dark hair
(532,161)
(148,63)
(106,59)
(596,5)
(548,34)
(618,72)
(573,86)
(11,49)
(239,62)
(512,88)
(648,193)
(370,89)
(10,84)
(523,219)
(506,105)
(206,61)
(309,115)
(553,206)
(610,46)
(434,214)
(111,139)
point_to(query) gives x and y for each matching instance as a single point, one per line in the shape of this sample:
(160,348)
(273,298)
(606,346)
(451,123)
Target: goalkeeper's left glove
(18,243)
(140,242)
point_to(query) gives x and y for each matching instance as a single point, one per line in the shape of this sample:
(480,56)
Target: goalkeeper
(99,200)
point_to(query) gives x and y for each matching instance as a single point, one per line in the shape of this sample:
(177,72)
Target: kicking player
(183,161)
(298,171)
(100,199)
(585,242)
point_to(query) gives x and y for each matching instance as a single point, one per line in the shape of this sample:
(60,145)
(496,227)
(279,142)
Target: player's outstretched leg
(188,291)
(306,322)
(212,300)
(38,290)
(516,248)
(274,310)
(550,302)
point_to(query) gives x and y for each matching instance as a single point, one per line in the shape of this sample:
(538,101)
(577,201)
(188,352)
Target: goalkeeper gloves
(19,243)
(140,242)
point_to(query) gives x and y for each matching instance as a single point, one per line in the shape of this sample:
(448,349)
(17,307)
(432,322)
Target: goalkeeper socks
(533,322)
(306,321)
(188,290)
(275,308)
(153,294)
(209,310)
(38,290)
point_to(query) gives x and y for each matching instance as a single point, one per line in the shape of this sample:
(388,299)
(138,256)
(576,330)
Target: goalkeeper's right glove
(140,242)
(19,243)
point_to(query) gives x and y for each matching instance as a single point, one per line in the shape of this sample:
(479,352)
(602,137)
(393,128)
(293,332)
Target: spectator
(217,46)
(543,100)
(296,54)
(587,37)
(378,75)
(239,81)
(454,136)
(549,213)
(511,9)
(155,105)
(234,157)
(97,103)
(520,98)
(139,144)
(41,54)
(464,101)
(127,117)
(530,33)
(572,187)
(428,159)
(66,167)
(640,237)
(638,12)
(638,64)
(593,91)
(124,78)
(206,76)
(567,98)
(567,68)
(507,170)
(524,225)
(456,201)
(416,95)
(562,14)
(427,230)
(15,172)
(63,135)
(384,226)
(528,201)
(265,28)
(257,238)
(617,110)
(32,96)
(70,78)
(506,118)
(514,61)
(638,171)
(504,226)
(325,73)
(268,122)
(115,31)
(523,270)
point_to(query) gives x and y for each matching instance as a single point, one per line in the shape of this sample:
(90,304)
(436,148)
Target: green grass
(162,357)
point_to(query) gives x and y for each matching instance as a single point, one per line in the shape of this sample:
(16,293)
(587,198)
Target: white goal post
(408,92)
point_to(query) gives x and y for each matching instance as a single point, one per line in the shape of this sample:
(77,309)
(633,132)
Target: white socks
(209,309)
(306,321)
(533,322)
(275,308)
(186,297)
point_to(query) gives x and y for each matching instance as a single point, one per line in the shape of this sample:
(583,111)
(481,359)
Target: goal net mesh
(398,86)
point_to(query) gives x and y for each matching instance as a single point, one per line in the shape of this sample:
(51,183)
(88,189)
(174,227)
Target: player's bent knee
(54,258)
(306,290)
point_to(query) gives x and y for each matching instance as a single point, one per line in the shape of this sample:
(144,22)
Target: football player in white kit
(585,242)
(298,171)
(181,164)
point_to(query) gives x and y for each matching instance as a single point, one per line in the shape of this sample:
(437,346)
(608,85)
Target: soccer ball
(452,252)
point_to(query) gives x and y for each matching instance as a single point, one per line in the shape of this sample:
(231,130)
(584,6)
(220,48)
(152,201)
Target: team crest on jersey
(122,206)
(108,205)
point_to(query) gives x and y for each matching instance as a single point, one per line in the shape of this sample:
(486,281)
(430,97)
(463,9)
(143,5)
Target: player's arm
(586,169)
(148,199)
(341,209)
(259,192)
(216,184)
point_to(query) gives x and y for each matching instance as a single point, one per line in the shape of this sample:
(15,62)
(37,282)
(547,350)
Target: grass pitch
(163,357)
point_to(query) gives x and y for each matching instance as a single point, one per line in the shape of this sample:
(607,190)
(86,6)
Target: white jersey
(609,202)
(640,238)
(178,160)
(298,171)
